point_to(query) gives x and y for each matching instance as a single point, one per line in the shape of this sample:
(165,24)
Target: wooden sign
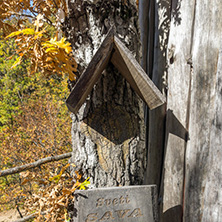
(125,204)
(113,50)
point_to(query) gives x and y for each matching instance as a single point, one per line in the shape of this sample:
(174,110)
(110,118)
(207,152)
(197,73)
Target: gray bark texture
(108,133)
(187,38)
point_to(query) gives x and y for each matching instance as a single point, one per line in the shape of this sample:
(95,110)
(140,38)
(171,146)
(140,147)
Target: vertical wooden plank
(179,76)
(192,178)
(212,197)
(156,123)
(203,157)
(144,27)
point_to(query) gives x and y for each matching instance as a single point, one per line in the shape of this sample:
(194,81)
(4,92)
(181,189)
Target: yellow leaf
(17,62)
(28,31)
(52,49)
(13,34)
(85,184)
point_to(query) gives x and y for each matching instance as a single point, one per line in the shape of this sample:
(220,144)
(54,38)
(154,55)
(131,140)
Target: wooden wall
(190,45)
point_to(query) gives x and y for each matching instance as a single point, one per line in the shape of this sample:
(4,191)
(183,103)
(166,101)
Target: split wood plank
(137,77)
(178,99)
(91,75)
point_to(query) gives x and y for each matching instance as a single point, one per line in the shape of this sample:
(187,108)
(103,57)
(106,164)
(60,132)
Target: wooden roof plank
(150,93)
(92,73)
(125,62)
(119,63)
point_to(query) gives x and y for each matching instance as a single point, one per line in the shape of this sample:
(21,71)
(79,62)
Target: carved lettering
(108,202)
(136,213)
(122,213)
(121,200)
(91,217)
(127,199)
(115,201)
(100,202)
(107,216)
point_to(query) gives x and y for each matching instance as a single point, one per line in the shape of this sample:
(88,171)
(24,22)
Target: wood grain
(203,156)
(178,100)
(157,117)
(136,76)
(91,75)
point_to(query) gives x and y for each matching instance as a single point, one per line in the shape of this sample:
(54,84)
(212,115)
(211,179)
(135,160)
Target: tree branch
(31,216)
(34,164)
(21,14)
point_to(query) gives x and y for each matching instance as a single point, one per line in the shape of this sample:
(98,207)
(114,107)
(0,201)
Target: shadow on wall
(175,11)
(175,127)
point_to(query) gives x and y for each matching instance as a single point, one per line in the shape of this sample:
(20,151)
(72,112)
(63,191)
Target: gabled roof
(114,51)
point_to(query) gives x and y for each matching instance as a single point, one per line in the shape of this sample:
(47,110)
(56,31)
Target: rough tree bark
(191,176)
(108,132)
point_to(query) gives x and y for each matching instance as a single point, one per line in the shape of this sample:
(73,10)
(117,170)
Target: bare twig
(34,164)
(21,14)
(31,216)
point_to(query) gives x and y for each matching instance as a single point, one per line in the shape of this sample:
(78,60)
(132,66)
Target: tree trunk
(191,177)
(108,132)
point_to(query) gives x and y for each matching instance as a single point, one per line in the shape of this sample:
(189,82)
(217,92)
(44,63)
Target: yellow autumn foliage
(48,56)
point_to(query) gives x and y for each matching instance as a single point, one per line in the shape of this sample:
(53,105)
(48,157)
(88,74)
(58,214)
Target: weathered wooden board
(212,204)
(136,76)
(91,75)
(156,123)
(192,178)
(119,204)
(178,96)
(203,158)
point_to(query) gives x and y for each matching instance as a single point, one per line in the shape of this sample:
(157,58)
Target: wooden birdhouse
(114,51)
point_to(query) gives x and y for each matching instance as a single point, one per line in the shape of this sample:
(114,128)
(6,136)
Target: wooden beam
(136,76)
(91,75)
